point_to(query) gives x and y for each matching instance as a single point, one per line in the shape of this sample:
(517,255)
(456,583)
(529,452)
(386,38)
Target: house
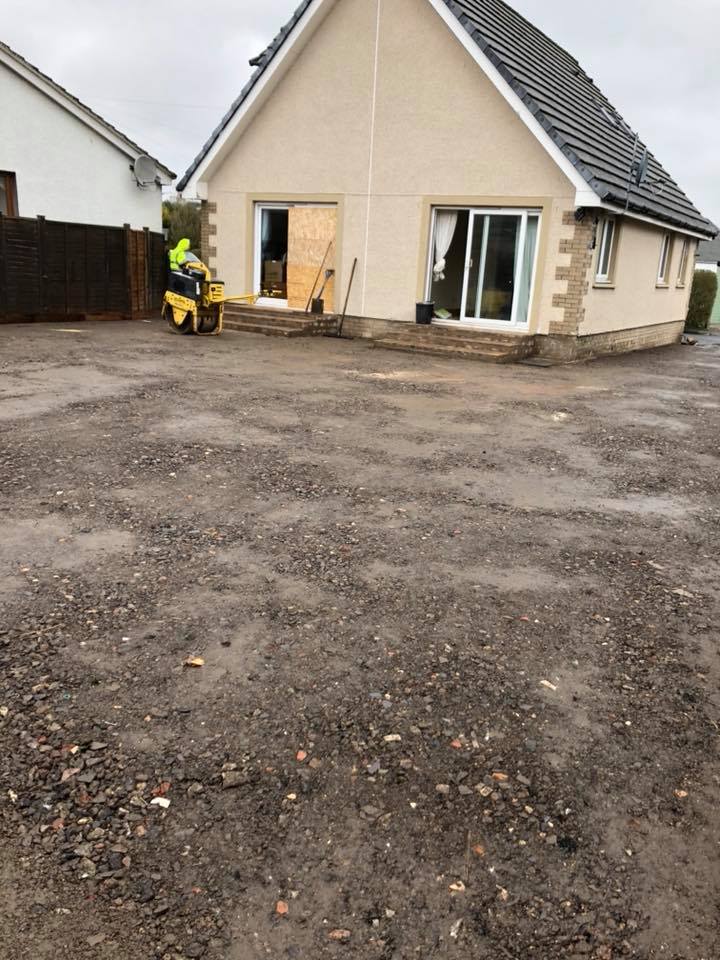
(462,157)
(60,160)
(708,255)
(708,258)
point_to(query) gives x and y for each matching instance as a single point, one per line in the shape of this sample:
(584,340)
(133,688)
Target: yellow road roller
(194,303)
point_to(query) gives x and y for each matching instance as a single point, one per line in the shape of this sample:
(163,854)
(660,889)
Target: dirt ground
(461,689)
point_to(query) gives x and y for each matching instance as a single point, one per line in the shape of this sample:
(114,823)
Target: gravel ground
(310,650)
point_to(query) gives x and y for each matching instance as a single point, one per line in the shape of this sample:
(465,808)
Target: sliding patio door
(498,249)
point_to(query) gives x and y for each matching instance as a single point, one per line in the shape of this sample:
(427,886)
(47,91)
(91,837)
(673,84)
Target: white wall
(66,171)
(634,298)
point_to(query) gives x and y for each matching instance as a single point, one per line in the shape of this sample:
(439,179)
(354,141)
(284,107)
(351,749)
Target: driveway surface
(311,650)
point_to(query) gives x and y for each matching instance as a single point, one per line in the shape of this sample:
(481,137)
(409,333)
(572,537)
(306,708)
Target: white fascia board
(584,192)
(55,93)
(662,224)
(279,65)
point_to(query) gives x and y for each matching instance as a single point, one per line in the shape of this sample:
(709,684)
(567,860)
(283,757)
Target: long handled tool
(318,304)
(319,274)
(347,297)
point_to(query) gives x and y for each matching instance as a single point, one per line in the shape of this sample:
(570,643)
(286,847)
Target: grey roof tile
(563,99)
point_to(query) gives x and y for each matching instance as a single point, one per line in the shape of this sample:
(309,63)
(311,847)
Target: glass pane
(476,246)
(527,270)
(606,252)
(446,293)
(4,204)
(498,286)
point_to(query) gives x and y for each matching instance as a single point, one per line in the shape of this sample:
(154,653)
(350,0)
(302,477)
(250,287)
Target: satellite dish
(145,170)
(640,169)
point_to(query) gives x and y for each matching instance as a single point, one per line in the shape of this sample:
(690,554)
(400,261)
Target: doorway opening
(273,255)
(294,248)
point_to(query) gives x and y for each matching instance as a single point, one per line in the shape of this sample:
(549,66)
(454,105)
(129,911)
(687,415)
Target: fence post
(3,266)
(67,270)
(148,296)
(86,266)
(128,269)
(42,241)
(106,270)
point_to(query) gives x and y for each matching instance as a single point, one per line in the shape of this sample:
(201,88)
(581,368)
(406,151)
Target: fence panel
(53,269)
(20,251)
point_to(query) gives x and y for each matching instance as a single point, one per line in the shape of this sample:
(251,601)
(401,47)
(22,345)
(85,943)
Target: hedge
(702,299)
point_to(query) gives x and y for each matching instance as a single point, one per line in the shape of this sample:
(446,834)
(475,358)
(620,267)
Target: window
(606,251)
(482,265)
(664,266)
(8,195)
(682,266)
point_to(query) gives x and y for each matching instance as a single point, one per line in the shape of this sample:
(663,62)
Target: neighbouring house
(708,258)
(462,157)
(60,160)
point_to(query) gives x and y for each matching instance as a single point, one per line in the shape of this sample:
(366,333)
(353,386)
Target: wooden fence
(51,270)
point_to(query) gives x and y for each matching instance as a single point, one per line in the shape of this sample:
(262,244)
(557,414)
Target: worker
(178,255)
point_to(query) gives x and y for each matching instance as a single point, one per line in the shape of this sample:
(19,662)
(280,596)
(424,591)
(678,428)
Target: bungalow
(460,157)
(60,160)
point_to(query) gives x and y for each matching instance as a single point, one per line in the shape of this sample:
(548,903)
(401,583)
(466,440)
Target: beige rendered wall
(634,298)
(442,134)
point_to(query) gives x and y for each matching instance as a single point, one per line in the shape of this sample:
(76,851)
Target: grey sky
(165,73)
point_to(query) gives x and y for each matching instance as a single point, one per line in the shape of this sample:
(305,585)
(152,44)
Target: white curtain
(526,274)
(265,229)
(445,224)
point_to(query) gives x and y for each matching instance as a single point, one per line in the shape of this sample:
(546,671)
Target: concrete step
(267,329)
(278,323)
(435,332)
(467,350)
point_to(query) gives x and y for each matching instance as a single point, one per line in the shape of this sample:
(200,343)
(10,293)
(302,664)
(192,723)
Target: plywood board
(310,230)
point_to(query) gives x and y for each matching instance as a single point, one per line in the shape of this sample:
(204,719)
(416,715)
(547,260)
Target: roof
(574,111)
(560,95)
(709,251)
(112,133)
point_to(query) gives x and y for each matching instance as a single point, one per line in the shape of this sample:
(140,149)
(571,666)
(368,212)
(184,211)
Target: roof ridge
(66,93)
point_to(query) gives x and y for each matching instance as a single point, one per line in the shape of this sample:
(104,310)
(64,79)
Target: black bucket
(424,312)
(317,305)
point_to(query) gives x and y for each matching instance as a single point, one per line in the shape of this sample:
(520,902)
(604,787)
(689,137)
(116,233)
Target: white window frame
(682,266)
(664,264)
(603,249)
(523,213)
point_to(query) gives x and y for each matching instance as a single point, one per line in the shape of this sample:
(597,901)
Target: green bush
(702,300)
(182,219)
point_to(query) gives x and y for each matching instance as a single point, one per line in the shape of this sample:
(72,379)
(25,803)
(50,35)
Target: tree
(702,299)
(182,219)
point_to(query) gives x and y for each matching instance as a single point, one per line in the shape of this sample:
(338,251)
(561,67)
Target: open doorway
(447,285)
(295,255)
(273,254)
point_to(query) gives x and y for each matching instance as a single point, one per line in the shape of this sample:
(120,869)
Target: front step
(468,344)
(460,351)
(269,328)
(278,323)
